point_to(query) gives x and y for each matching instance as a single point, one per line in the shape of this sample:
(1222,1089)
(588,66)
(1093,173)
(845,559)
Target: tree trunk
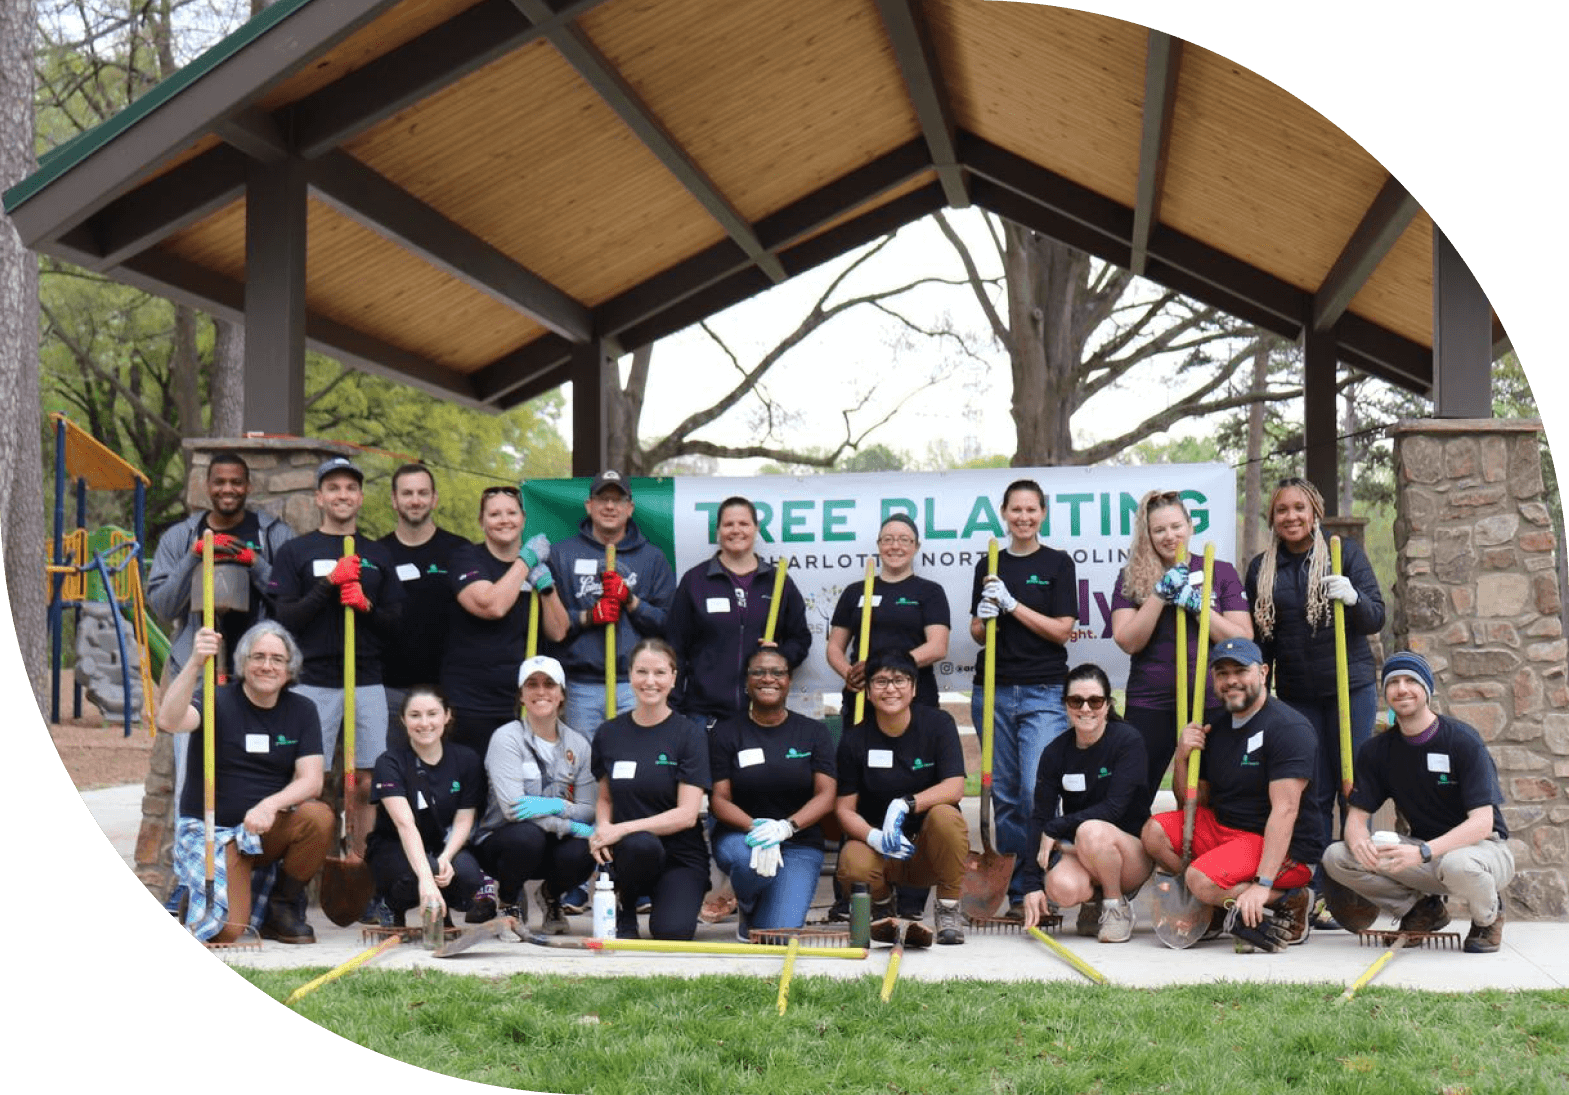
(1046,285)
(1253,479)
(228,379)
(21,447)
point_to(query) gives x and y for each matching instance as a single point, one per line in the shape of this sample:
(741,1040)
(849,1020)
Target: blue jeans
(777,902)
(1026,718)
(585,706)
(1325,716)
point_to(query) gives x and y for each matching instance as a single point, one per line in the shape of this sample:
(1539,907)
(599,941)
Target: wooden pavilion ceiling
(492,182)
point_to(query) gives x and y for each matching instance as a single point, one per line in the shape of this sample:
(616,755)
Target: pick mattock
(987,873)
(1069,957)
(346,881)
(865,640)
(1396,942)
(1342,683)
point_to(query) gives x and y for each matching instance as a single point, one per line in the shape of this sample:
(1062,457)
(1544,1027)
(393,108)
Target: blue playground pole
(56,612)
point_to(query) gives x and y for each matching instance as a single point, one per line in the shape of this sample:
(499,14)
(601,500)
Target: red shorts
(1228,857)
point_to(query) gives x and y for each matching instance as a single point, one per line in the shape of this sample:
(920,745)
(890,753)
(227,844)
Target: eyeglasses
(896,541)
(1078,703)
(279,660)
(886,684)
(768,673)
(491,492)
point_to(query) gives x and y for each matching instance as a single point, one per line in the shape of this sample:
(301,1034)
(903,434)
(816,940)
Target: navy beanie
(1407,664)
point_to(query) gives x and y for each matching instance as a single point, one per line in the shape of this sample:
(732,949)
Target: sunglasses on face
(1094,703)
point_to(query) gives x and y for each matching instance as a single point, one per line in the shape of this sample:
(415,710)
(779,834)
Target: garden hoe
(346,882)
(987,873)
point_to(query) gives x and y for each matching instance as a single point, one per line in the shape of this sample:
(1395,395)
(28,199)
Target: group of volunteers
(484,765)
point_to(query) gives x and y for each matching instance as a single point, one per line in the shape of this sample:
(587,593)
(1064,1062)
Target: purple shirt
(1152,676)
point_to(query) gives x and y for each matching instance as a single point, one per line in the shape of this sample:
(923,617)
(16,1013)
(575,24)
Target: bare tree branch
(977,283)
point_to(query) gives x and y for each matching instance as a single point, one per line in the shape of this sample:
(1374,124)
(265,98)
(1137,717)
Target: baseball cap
(1241,651)
(541,663)
(338,463)
(610,478)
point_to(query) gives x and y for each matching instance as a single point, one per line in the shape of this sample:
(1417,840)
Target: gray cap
(338,463)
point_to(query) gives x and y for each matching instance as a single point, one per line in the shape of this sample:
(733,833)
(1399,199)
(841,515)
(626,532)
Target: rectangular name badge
(586,566)
(1438,762)
(879,758)
(1073,781)
(407,572)
(257,743)
(320,568)
(748,757)
(719,604)
(1256,741)
(623,769)
(877,600)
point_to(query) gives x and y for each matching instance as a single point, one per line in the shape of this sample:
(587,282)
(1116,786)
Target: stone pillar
(283,482)
(1476,593)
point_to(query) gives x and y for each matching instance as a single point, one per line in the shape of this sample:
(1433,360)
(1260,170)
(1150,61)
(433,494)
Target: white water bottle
(604,908)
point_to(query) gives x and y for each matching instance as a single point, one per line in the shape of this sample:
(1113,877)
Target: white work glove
(893,821)
(993,589)
(1338,587)
(987,610)
(767,833)
(902,849)
(766,861)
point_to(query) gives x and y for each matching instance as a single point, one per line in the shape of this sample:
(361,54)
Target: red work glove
(231,549)
(347,570)
(606,611)
(352,595)
(613,587)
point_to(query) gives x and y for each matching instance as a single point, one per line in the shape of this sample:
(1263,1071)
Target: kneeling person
(1091,801)
(267,763)
(1443,781)
(901,779)
(1256,833)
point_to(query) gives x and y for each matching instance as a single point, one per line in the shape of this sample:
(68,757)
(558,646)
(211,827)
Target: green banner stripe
(555,508)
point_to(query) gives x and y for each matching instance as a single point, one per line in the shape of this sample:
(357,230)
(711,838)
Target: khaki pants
(1475,873)
(299,837)
(941,848)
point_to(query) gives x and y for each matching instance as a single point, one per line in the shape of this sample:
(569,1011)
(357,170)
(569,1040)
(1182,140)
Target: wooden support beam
(275,243)
(1162,64)
(916,55)
(1320,418)
(1462,337)
(1381,226)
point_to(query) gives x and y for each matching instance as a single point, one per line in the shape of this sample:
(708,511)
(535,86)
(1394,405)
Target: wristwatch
(1267,883)
(1427,853)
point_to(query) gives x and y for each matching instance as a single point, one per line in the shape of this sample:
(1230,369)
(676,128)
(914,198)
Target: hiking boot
(553,921)
(1268,937)
(373,910)
(1430,914)
(285,922)
(885,928)
(1486,938)
(1116,921)
(1088,924)
(950,925)
(1015,912)
(1293,912)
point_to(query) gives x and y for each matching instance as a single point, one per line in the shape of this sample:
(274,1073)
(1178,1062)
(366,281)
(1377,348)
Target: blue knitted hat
(1407,664)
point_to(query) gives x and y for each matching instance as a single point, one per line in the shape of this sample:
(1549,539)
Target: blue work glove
(540,578)
(581,829)
(1172,583)
(531,806)
(900,849)
(893,820)
(536,549)
(767,833)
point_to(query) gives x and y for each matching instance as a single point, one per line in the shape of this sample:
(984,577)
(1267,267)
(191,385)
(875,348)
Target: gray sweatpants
(1475,873)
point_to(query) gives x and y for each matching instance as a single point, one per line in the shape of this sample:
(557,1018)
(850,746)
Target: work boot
(1088,924)
(553,922)
(1486,938)
(373,910)
(1293,913)
(626,919)
(285,923)
(1217,925)
(950,925)
(885,928)
(1430,914)
(1116,921)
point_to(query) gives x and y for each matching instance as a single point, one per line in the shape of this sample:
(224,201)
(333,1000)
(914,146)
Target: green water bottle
(860,915)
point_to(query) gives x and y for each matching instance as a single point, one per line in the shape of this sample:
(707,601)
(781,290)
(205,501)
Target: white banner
(826,526)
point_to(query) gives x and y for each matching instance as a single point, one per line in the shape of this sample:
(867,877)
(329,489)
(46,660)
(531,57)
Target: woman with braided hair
(1291,589)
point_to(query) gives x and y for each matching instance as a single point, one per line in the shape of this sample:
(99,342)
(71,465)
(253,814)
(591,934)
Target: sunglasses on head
(1164,498)
(1292,481)
(1094,703)
(491,492)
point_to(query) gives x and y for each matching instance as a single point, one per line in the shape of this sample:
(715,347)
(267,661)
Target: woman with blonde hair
(1162,578)
(1292,589)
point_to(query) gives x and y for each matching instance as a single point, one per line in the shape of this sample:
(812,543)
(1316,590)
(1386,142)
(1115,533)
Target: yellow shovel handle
(209,734)
(773,606)
(1342,678)
(866,632)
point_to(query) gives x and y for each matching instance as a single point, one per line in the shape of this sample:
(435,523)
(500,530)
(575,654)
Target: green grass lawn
(723,1036)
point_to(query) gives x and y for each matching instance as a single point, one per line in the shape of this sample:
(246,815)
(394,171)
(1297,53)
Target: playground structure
(98,576)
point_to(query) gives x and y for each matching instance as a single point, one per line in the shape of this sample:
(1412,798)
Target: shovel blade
(346,888)
(986,877)
(1180,918)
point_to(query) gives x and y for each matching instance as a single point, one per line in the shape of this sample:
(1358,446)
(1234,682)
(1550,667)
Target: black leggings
(643,869)
(521,850)
(399,886)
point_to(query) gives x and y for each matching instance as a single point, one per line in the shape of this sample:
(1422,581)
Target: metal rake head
(1431,940)
(409,934)
(1007,925)
(249,940)
(808,936)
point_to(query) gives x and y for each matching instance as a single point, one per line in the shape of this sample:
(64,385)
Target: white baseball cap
(542,663)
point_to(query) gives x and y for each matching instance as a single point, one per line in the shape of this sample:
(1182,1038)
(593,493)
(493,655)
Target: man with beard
(1256,835)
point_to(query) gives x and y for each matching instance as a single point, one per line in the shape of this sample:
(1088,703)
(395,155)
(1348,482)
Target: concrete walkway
(1534,955)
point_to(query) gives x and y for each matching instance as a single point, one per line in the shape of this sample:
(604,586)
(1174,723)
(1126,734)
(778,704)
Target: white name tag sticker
(877,600)
(1073,781)
(407,572)
(1255,741)
(623,769)
(530,770)
(585,566)
(1438,762)
(719,604)
(419,801)
(320,568)
(746,758)
(255,743)
(879,758)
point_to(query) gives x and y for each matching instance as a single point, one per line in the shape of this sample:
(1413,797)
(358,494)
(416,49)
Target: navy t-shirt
(771,768)
(901,613)
(422,571)
(645,766)
(1046,581)
(879,768)
(1103,782)
(306,560)
(1435,784)
(255,750)
(455,782)
(480,670)
(1239,764)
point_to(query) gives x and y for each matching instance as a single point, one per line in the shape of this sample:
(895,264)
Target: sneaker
(393,918)
(743,923)
(1293,912)
(1089,918)
(178,899)
(839,911)
(375,909)
(1430,914)
(885,928)
(1322,919)
(483,908)
(552,921)
(518,914)
(1486,938)
(645,905)
(626,921)
(950,925)
(576,902)
(1116,921)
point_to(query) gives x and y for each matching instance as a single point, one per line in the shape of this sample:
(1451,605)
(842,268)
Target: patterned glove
(535,551)
(540,578)
(352,595)
(1191,599)
(767,833)
(1172,583)
(347,570)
